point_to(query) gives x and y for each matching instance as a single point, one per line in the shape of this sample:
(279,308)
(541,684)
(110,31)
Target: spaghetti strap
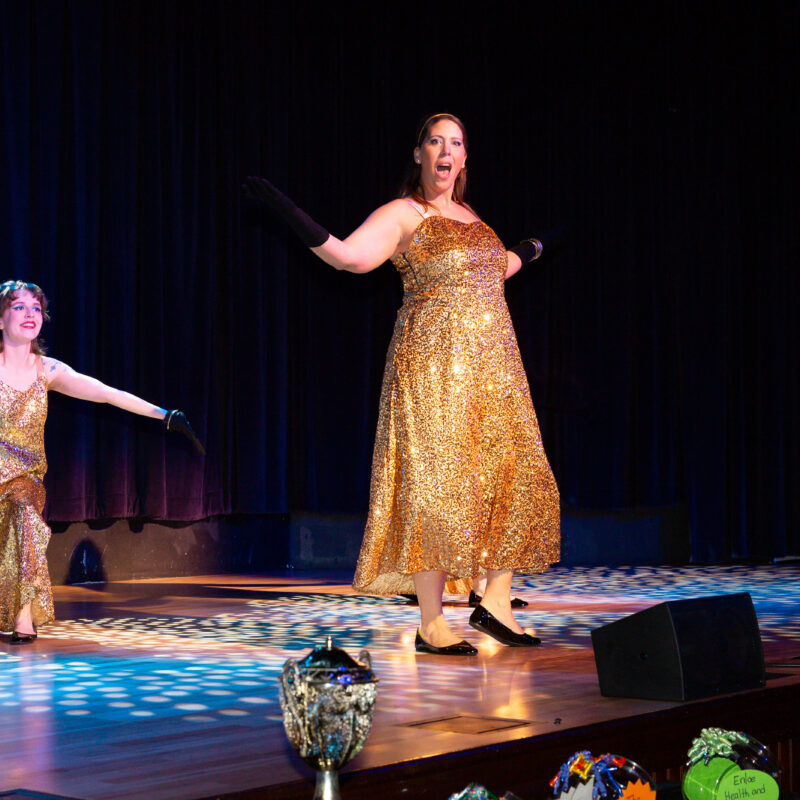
(417,208)
(39,367)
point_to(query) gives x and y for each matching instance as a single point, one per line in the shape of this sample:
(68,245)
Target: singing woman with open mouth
(461,487)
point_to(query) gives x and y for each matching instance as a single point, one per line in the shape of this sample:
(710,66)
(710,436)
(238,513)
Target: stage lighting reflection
(224,667)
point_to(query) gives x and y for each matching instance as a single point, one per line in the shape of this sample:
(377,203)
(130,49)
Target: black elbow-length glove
(262,192)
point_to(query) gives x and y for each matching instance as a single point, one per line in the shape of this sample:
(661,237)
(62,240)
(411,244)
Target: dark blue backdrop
(661,343)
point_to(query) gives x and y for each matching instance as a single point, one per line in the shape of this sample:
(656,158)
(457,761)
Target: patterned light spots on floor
(32,687)
(771,584)
(223,668)
(775,591)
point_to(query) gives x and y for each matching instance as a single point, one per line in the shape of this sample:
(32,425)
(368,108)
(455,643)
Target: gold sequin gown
(24,535)
(460,481)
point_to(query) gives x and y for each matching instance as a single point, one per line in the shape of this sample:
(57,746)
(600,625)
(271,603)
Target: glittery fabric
(24,576)
(460,480)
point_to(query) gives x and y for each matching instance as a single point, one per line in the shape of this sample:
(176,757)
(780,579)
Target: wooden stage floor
(166,688)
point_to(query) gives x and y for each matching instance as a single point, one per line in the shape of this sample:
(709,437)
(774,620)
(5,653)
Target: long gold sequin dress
(24,535)
(460,480)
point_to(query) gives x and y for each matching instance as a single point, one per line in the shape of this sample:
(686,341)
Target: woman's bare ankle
(438,633)
(24,620)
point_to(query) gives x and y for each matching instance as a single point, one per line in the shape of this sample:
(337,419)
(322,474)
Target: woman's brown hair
(411,187)
(9,293)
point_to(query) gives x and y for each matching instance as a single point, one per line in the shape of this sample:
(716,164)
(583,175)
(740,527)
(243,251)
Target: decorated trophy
(327,700)
(729,764)
(606,777)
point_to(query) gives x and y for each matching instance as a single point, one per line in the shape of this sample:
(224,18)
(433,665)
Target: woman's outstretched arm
(66,380)
(374,241)
(369,245)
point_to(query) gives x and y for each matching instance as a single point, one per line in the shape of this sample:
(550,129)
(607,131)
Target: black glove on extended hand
(261,191)
(543,243)
(176,421)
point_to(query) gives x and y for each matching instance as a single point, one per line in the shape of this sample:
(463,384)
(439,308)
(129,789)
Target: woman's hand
(176,421)
(262,192)
(545,243)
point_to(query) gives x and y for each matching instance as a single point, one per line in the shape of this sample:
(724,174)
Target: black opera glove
(261,191)
(546,242)
(527,250)
(176,421)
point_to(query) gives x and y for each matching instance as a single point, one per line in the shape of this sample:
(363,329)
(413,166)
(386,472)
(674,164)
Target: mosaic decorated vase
(327,700)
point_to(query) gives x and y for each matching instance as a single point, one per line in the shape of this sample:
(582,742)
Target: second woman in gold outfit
(461,486)
(26,376)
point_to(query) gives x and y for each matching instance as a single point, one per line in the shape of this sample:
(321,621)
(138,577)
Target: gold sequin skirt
(460,480)
(24,536)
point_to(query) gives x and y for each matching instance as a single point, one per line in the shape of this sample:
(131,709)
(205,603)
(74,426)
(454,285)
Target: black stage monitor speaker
(681,650)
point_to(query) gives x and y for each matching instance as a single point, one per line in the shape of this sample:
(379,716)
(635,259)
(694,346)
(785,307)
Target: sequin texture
(24,535)
(460,480)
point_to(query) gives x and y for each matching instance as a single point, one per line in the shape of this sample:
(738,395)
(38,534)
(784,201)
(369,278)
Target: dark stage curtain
(660,342)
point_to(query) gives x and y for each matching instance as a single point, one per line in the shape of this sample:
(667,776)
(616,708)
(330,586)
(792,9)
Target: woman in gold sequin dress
(461,486)
(26,375)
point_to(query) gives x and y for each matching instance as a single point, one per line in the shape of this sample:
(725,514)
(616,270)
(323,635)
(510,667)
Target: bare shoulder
(399,206)
(393,222)
(411,216)
(401,212)
(52,368)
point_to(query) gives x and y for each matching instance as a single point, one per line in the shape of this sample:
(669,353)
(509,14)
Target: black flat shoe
(475,601)
(461,648)
(22,638)
(485,622)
